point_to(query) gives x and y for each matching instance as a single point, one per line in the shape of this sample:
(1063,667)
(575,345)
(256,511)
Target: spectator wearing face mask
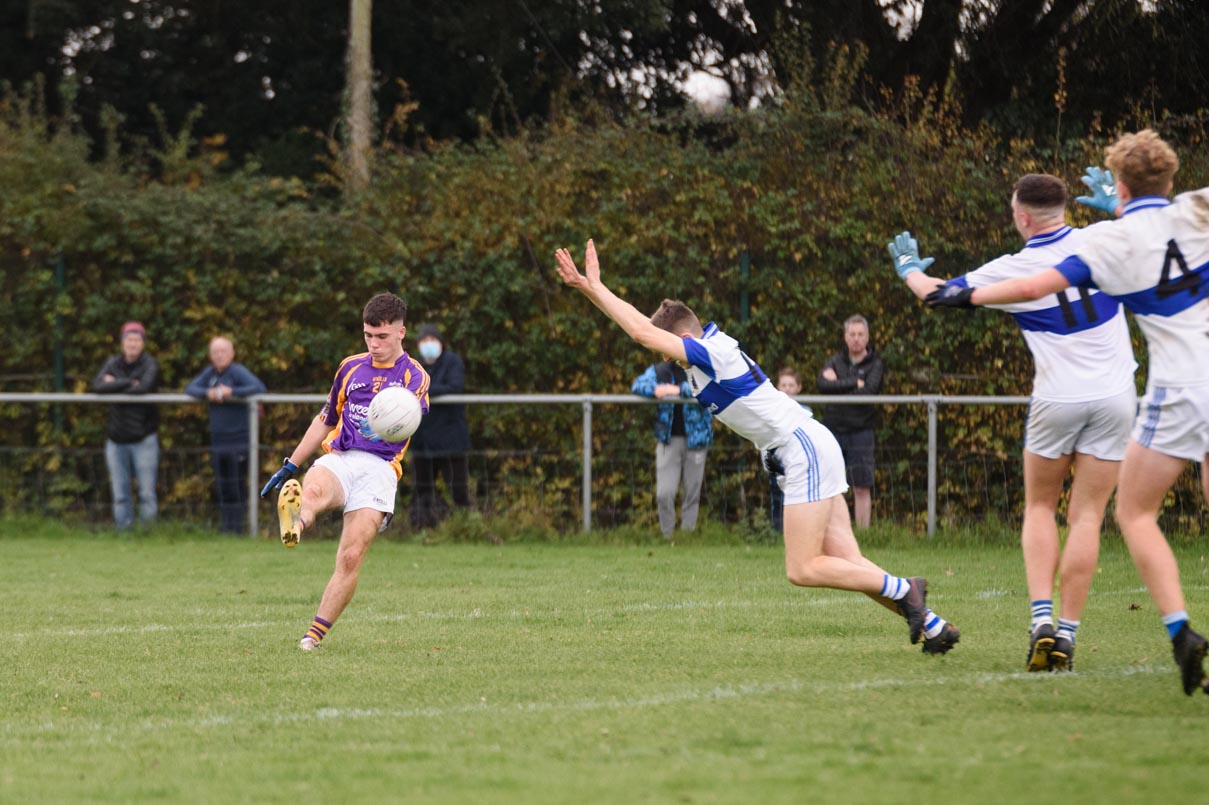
(440,447)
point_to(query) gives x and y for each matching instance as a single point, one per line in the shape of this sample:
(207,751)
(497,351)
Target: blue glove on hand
(951,296)
(904,251)
(288,468)
(364,430)
(1103,191)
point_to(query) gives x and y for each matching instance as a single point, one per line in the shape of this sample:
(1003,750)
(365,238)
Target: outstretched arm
(628,317)
(1021,289)
(904,254)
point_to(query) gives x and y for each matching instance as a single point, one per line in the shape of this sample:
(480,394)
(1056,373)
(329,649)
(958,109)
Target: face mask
(430,350)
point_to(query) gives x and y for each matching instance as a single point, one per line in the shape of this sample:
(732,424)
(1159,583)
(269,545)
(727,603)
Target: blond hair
(1143,162)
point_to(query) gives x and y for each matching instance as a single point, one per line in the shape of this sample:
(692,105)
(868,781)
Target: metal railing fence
(586,402)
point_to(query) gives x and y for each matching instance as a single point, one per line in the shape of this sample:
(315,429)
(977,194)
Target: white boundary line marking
(371,616)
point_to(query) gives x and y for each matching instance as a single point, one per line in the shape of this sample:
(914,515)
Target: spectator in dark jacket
(440,446)
(683,434)
(225,384)
(855,370)
(132,447)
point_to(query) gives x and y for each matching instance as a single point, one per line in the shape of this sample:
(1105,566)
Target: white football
(394,414)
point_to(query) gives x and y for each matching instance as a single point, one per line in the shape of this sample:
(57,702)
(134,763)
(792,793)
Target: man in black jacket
(132,447)
(855,370)
(440,445)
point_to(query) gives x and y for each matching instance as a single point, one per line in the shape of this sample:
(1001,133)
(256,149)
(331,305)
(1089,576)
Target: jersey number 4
(1186,281)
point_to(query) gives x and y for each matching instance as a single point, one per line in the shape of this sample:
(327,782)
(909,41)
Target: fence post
(253,465)
(587,491)
(931,466)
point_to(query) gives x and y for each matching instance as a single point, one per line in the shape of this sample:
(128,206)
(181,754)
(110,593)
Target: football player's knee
(801,575)
(349,562)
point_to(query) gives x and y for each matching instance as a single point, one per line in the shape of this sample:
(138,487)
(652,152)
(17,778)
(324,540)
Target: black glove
(772,463)
(951,296)
(288,468)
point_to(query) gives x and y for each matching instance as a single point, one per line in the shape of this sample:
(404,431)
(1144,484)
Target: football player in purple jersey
(359,472)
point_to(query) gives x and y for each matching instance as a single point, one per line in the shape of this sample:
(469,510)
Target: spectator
(132,449)
(225,384)
(790,382)
(683,434)
(858,369)
(440,446)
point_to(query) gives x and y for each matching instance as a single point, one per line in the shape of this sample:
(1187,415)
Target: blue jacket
(698,422)
(228,420)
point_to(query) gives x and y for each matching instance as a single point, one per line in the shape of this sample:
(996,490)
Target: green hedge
(810,189)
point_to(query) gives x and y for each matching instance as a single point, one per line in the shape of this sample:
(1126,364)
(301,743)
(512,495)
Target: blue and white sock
(1043,612)
(1067,629)
(933,624)
(1174,622)
(895,588)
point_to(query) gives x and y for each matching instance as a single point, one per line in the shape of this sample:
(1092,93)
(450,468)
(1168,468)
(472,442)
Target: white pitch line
(14,735)
(376,617)
(369,615)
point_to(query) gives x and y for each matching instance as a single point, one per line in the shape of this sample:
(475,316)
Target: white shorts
(369,482)
(809,467)
(1175,421)
(1098,428)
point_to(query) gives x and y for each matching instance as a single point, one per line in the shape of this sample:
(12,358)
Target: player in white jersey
(1083,403)
(1155,260)
(820,548)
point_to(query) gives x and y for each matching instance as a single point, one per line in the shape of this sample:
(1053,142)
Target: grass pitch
(165,668)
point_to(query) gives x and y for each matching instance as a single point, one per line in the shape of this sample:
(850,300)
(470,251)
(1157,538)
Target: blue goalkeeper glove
(904,251)
(288,468)
(1103,191)
(951,296)
(364,430)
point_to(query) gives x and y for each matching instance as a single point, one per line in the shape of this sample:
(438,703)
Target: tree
(360,95)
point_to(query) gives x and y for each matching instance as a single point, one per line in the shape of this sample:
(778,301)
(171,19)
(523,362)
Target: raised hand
(570,273)
(1103,190)
(591,264)
(288,468)
(904,251)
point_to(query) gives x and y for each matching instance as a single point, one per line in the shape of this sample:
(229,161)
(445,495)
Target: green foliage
(811,188)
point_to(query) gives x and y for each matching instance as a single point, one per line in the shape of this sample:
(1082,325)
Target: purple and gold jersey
(357,381)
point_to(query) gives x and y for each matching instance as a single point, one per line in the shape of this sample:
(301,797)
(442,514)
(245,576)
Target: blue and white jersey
(737,392)
(1078,337)
(1155,260)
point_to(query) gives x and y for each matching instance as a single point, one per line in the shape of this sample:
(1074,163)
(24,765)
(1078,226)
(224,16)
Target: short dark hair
(1041,191)
(385,308)
(676,317)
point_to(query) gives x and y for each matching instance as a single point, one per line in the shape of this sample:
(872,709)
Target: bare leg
(360,528)
(1043,479)
(1089,494)
(1146,475)
(320,491)
(807,564)
(862,505)
(841,542)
